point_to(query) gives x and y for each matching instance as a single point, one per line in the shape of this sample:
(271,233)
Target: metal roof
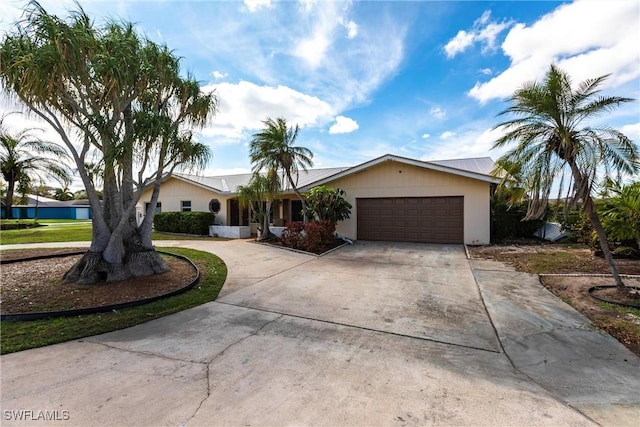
(477,168)
(481,165)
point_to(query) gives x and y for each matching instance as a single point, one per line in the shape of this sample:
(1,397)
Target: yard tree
(620,211)
(273,148)
(551,131)
(328,204)
(259,195)
(24,157)
(123,97)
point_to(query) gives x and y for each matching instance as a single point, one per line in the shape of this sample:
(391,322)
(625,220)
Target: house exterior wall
(50,212)
(173,191)
(394,179)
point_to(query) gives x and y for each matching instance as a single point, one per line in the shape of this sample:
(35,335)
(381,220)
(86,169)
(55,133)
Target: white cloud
(459,43)
(486,71)
(483,32)
(352,29)
(425,136)
(313,49)
(219,75)
(438,112)
(632,131)
(244,105)
(584,38)
(475,141)
(343,125)
(255,5)
(447,134)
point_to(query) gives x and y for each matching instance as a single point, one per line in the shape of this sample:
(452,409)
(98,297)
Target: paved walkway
(372,334)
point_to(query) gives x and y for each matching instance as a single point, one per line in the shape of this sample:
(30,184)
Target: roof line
(405,160)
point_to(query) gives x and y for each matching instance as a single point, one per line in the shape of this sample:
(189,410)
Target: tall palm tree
(23,157)
(550,133)
(273,148)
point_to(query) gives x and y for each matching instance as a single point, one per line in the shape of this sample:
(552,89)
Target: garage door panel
(411,219)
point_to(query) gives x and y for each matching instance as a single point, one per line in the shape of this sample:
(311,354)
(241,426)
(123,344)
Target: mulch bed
(34,286)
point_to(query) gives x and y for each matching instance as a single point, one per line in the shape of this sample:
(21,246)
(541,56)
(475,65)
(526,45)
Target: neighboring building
(394,198)
(45,208)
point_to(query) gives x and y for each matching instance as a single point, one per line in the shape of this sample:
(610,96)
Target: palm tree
(549,137)
(23,157)
(259,195)
(273,148)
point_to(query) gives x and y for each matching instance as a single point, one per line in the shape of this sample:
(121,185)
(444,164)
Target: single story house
(46,208)
(394,198)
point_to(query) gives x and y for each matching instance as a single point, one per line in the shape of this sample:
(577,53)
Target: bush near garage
(183,222)
(312,237)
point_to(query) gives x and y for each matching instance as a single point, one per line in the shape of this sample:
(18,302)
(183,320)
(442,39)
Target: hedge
(184,222)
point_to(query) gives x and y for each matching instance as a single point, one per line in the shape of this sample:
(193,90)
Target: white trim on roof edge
(405,160)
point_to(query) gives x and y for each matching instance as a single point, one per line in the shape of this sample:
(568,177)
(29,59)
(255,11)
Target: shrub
(292,236)
(311,237)
(507,222)
(318,234)
(326,203)
(184,222)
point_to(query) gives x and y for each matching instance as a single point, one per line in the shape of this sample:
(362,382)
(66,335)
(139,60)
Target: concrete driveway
(371,334)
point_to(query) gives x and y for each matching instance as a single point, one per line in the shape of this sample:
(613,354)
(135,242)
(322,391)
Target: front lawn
(71,233)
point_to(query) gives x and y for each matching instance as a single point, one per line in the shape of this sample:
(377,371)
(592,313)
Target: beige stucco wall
(173,191)
(394,179)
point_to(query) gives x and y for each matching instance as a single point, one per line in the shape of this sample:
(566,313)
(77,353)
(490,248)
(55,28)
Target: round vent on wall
(214,206)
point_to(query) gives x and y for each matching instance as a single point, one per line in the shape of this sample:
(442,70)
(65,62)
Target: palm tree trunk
(11,185)
(589,208)
(305,217)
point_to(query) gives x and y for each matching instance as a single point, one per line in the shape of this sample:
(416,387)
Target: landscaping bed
(21,335)
(36,285)
(623,323)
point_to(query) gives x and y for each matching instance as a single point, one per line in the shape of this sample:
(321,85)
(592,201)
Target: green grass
(544,262)
(22,335)
(41,221)
(619,308)
(72,233)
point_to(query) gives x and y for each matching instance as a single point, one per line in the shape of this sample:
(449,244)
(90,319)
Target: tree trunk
(92,267)
(583,191)
(266,234)
(590,209)
(305,217)
(11,185)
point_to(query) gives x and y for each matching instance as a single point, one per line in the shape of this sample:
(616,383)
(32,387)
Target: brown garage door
(411,219)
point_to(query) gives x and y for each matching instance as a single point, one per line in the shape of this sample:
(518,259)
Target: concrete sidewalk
(373,334)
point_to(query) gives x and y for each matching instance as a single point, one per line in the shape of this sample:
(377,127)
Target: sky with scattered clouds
(421,79)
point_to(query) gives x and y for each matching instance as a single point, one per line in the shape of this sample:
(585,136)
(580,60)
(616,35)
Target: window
(185,205)
(158,207)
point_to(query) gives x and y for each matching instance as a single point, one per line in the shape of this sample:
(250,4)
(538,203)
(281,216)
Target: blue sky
(419,79)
